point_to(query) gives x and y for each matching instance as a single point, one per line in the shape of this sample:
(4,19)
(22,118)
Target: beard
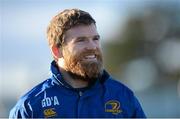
(80,68)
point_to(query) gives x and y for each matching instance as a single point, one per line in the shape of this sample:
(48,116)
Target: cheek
(69,53)
(76,49)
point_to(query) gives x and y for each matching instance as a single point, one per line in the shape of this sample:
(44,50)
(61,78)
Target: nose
(91,44)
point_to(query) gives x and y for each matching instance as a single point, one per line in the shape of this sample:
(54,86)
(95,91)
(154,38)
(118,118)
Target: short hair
(63,22)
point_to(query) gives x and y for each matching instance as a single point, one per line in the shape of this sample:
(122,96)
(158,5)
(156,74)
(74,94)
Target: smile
(90,57)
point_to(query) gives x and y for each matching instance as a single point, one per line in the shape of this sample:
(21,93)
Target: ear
(56,52)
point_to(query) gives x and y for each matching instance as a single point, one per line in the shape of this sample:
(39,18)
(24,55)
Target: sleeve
(138,111)
(21,110)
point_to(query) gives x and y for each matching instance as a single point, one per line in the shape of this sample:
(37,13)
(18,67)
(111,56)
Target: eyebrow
(90,36)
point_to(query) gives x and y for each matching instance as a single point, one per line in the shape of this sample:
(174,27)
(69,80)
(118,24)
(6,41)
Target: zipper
(79,104)
(80,93)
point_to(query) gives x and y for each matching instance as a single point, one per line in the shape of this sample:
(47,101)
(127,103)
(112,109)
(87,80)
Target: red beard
(84,69)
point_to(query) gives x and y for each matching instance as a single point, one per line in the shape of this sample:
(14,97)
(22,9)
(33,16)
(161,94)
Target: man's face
(81,52)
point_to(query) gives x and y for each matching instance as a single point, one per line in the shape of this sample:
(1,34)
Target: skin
(77,39)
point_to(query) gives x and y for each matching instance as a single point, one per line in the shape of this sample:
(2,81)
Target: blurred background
(140,41)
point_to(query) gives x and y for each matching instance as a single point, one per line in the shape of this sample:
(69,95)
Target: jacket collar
(58,78)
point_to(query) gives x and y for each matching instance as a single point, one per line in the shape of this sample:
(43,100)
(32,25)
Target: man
(79,86)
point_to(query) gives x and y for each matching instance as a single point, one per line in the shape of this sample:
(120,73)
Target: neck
(75,82)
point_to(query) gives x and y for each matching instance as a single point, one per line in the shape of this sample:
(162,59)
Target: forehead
(81,31)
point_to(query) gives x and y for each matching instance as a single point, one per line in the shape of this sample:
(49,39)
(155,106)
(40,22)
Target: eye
(80,39)
(96,38)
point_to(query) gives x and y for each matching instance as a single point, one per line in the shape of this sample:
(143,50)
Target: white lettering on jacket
(50,101)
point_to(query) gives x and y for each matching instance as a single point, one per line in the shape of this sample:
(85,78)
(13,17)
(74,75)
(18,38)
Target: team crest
(113,106)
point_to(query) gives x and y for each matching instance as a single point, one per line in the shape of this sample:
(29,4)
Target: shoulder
(37,90)
(116,87)
(33,96)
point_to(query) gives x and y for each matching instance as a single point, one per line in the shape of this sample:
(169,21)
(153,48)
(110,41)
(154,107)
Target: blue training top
(55,98)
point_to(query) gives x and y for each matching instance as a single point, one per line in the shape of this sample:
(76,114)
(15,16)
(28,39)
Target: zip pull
(80,93)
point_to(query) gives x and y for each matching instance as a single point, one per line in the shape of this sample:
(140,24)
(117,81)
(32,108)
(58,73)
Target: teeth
(90,56)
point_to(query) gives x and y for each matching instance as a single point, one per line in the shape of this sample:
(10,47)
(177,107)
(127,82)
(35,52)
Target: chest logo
(50,112)
(113,106)
(50,101)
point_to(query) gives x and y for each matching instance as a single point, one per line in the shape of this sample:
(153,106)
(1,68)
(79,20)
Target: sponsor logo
(50,101)
(49,112)
(113,106)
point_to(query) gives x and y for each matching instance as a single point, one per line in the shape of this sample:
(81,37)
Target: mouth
(90,58)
